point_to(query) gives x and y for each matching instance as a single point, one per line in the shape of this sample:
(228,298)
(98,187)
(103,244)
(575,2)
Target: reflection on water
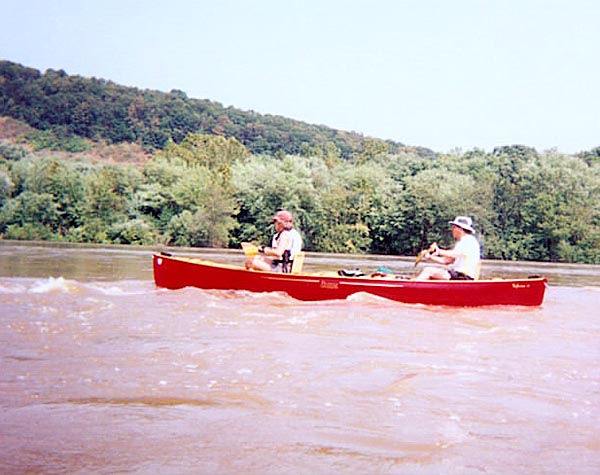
(104,373)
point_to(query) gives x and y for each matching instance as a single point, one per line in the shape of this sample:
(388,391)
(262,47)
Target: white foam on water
(52,284)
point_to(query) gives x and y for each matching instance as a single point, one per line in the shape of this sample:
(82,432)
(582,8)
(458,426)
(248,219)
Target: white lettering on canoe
(329,285)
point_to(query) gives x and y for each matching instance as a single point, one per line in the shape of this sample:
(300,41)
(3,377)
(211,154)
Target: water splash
(52,285)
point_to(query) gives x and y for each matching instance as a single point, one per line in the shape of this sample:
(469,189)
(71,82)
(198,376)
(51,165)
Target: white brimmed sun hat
(464,222)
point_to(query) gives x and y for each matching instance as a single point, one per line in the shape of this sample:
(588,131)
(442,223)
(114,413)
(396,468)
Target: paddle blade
(250,250)
(420,257)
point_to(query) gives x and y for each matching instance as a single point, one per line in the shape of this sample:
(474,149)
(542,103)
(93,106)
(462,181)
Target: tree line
(73,106)
(209,190)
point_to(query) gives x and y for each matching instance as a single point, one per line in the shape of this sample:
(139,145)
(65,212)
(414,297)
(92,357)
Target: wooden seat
(477,271)
(298,263)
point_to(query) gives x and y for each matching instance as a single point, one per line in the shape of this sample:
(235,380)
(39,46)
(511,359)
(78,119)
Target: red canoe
(177,272)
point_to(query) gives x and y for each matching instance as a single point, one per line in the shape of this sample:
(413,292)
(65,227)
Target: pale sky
(442,74)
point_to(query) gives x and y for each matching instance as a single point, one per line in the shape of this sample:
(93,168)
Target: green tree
(216,153)
(59,179)
(108,190)
(508,164)
(133,231)
(196,179)
(263,185)
(351,203)
(560,210)
(30,216)
(6,185)
(208,207)
(432,198)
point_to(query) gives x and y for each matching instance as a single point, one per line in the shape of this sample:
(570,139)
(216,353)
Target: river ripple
(104,373)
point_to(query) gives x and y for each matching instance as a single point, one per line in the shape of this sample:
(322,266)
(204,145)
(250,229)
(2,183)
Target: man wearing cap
(464,257)
(286,243)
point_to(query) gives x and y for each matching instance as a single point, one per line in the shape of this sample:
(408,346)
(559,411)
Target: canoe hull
(178,272)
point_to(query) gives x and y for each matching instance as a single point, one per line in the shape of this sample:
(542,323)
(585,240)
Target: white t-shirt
(469,254)
(296,243)
(293,244)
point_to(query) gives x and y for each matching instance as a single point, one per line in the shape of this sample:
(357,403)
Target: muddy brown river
(103,373)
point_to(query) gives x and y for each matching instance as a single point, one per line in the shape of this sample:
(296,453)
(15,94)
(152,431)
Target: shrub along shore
(211,191)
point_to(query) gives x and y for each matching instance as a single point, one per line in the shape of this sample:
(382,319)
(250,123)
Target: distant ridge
(99,109)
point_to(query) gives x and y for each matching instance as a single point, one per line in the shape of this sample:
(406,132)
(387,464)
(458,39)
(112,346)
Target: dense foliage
(210,191)
(216,176)
(98,109)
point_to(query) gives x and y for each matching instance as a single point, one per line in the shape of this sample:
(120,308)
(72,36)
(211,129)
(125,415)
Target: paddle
(250,250)
(421,255)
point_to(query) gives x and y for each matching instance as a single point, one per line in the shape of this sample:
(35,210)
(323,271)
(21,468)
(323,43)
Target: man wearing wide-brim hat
(463,258)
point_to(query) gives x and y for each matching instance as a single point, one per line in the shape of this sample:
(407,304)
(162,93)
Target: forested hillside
(120,165)
(100,109)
